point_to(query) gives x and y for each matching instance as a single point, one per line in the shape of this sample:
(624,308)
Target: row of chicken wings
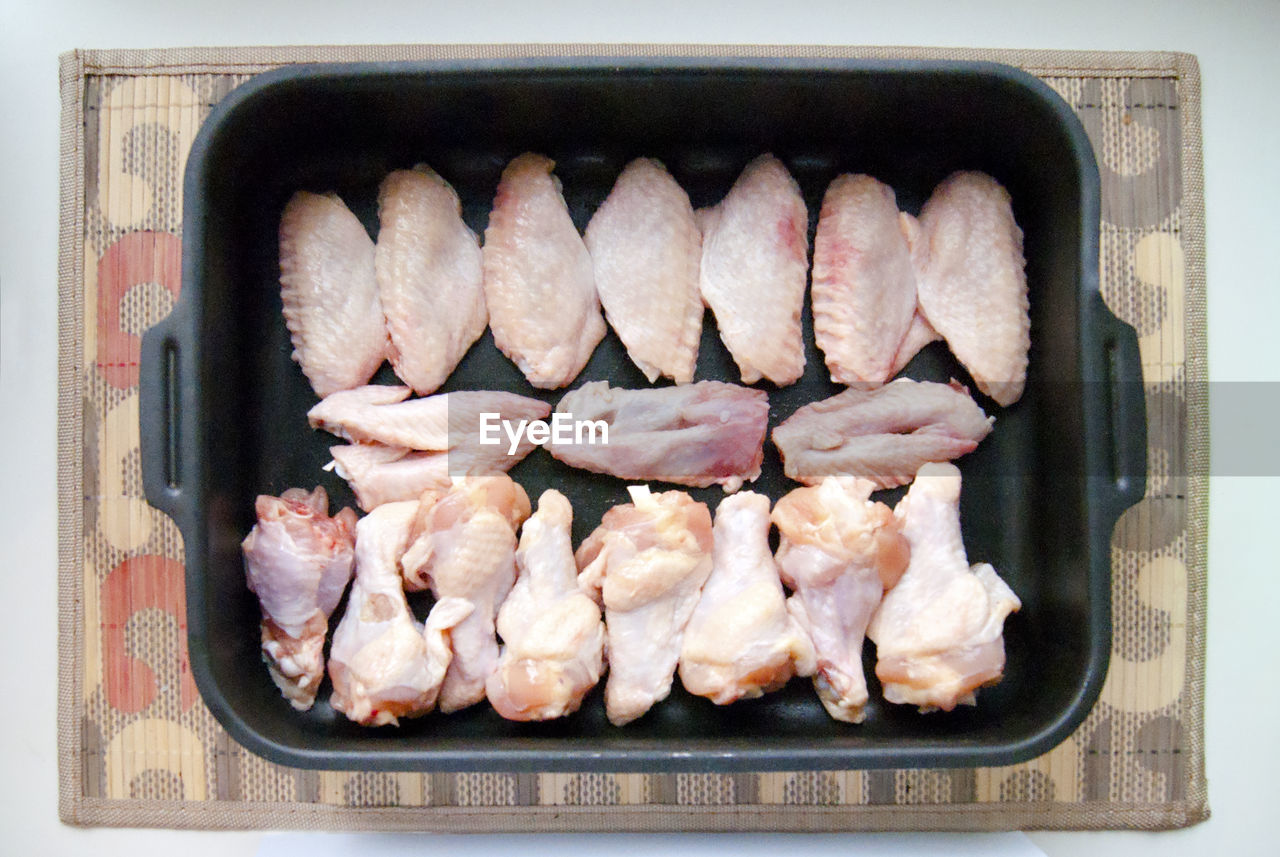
(657,589)
(700,434)
(884,282)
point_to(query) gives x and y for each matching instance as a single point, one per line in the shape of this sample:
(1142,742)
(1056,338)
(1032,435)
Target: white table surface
(1235,43)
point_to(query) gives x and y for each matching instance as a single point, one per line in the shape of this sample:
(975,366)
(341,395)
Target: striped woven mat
(137,747)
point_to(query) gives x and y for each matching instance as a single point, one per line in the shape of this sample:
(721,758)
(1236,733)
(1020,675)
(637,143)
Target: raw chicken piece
(839,552)
(939,632)
(383,664)
(646,250)
(552,632)
(741,641)
(430,277)
(699,434)
(864,285)
(298,560)
(401,448)
(329,293)
(973,288)
(384,474)
(883,435)
(538,280)
(919,334)
(909,226)
(463,545)
(755,261)
(646,563)
(443,422)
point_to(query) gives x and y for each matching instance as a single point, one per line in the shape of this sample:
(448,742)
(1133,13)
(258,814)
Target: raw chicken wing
(430,277)
(538,280)
(755,262)
(330,294)
(443,422)
(883,435)
(463,545)
(383,664)
(939,632)
(839,551)
(973,288)
(552,632)
(298,561)
(919,334)
(401,448)
(381,474)
(864,285)
(646,563)
(700,434)
(741,641)
(646,248)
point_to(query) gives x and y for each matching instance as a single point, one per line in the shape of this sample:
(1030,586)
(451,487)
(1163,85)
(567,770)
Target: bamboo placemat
(137,747)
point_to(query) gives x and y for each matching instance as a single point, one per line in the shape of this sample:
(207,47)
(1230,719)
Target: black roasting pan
(224,407)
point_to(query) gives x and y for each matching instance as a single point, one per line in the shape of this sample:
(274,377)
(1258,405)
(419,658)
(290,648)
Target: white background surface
(1235,43)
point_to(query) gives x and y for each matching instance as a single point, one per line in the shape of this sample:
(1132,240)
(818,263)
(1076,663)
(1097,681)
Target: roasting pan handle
(166,399)
(1120,370)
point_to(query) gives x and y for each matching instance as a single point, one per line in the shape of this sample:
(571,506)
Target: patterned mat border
(76,808)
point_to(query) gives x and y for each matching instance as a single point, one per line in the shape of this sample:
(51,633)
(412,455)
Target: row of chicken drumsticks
(532,624)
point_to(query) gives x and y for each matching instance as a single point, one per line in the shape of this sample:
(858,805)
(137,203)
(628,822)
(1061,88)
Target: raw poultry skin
(755,264)
(401,448)
(839,551)
(646,564)
(552,633)
(462,545)
(939,632)
(708,433)
(443,422)
(919,334)
(298,561)
(864,284)
(973,288)
(646,250)
(538,280)
(430,277)
(883,435)
(330,293)
(383,664)
(741,641)
(381,474)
